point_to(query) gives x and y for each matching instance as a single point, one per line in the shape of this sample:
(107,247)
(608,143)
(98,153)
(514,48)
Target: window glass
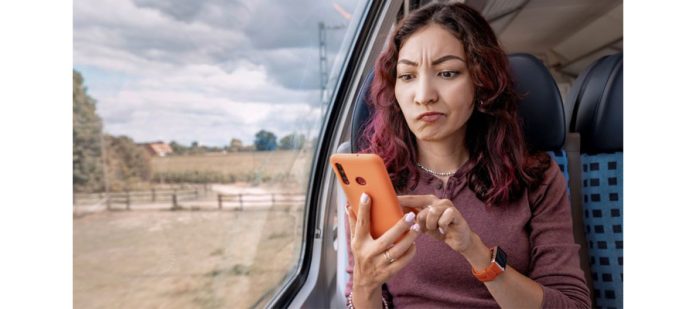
(194,129)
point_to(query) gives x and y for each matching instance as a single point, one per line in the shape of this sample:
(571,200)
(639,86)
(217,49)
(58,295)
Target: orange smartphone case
(366,173)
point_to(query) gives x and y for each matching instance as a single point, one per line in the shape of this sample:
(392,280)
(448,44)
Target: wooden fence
(160,195)
(239,201)
(175,196)
(152,196)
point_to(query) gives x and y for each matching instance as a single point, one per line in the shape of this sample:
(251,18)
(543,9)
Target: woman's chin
(428,137)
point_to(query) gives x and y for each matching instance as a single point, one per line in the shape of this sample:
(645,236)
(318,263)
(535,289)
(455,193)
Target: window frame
(313,282)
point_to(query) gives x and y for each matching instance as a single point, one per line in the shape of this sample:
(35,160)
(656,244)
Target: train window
(195,127)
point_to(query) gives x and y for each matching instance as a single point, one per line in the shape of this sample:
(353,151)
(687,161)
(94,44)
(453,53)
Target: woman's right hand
(377,260)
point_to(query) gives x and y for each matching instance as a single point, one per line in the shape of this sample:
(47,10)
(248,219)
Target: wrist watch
(497,266)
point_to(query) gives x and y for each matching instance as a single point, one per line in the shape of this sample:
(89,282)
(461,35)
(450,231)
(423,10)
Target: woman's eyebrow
(446,58)
(407,62)
(435,62)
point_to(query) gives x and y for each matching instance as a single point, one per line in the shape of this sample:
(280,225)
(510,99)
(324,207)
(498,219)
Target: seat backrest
(540,108)
(599,120)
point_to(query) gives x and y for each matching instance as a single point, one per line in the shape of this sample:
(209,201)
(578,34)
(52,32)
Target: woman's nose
(425,92)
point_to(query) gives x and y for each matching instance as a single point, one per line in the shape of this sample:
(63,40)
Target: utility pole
(323,75)
(323,63)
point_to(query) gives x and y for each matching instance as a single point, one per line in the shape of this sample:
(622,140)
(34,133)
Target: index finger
(416,201)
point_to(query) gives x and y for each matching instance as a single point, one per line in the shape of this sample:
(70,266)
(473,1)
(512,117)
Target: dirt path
(181,259)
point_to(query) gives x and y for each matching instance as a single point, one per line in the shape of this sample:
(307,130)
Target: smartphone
(358,173)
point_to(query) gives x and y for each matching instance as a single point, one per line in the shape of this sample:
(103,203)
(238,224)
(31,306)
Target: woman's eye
(405,77)
(449,74)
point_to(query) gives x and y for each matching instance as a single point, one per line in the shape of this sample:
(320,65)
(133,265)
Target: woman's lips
(431,117)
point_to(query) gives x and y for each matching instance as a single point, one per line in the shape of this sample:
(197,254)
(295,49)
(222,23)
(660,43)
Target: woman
(445,123)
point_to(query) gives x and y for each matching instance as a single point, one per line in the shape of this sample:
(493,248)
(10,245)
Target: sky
(206,71)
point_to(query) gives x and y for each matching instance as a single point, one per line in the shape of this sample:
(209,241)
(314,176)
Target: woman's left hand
(440,219)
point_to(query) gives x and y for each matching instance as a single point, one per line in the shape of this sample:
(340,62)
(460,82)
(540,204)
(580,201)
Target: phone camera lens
(361,181)
(339,167)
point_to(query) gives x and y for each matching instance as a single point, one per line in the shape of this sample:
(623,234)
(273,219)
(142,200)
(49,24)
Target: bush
(127,163)
(194,177)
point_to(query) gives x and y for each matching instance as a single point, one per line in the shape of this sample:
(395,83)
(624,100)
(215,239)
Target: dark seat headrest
(361,112)
(540,110)
(598,112)
(541,107)
(571,99)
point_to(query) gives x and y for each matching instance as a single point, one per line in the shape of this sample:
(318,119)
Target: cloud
(208,101)
(204,70)
(218,13)
(213,123)
(266,23)
(145,34)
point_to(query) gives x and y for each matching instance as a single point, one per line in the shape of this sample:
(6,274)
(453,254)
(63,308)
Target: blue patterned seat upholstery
(562,160)
(598,117)
(603,202)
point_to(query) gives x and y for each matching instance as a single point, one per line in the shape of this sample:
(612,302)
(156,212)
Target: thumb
(362,226)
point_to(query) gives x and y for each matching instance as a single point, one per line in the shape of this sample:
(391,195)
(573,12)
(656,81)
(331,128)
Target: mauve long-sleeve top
(535,231)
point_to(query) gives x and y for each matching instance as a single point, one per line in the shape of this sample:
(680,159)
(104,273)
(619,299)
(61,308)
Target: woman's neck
(443,155)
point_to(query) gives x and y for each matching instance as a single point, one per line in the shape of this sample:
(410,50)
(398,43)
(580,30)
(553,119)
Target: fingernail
(442,231)
(410,218)
(432,210)
(415,228)
(364,198)
(347,209)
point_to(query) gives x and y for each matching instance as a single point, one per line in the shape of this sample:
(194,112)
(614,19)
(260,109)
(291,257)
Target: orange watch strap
(491,272)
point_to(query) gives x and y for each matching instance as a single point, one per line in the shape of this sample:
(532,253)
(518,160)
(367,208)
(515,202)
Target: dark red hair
(501,167)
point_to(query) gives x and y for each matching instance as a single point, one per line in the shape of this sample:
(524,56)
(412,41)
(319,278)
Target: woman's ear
(481,107)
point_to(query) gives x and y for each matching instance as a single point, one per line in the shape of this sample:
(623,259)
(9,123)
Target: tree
(87,147)
(292,141)
(196,148)
(128,163)
(265,141)
(235,145)
(177,148)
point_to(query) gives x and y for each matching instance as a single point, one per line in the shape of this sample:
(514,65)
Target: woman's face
(433,86)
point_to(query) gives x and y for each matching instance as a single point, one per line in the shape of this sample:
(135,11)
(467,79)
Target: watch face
(500,257)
